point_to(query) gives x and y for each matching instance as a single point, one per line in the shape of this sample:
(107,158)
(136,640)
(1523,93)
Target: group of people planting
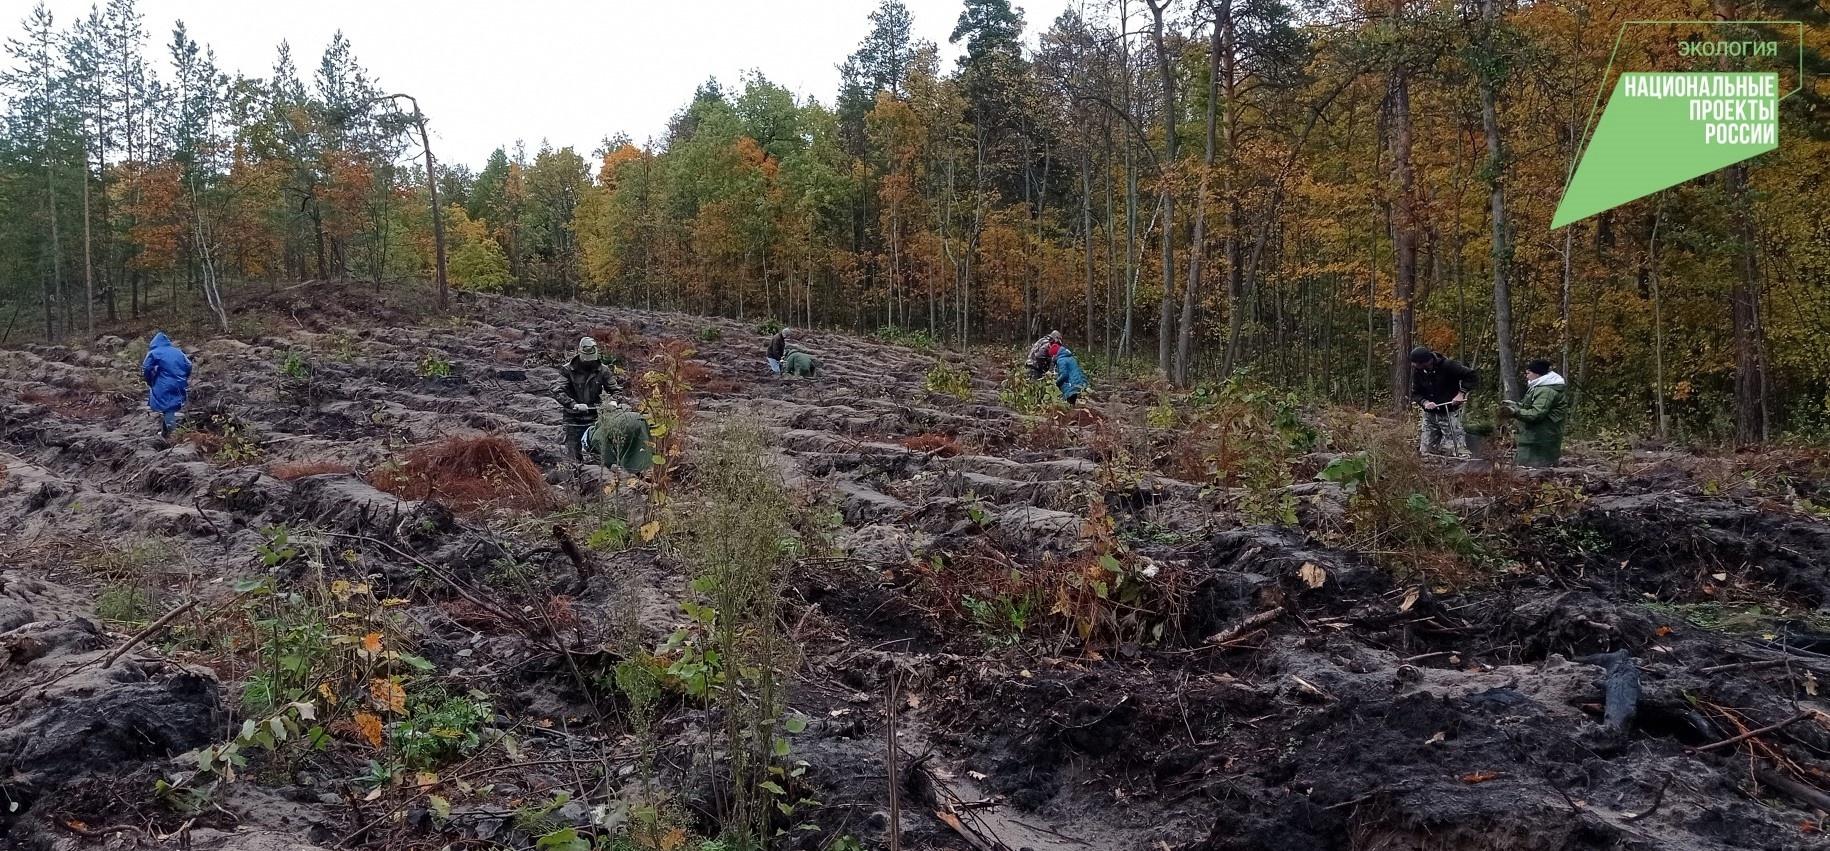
(1440,387)
(595,424)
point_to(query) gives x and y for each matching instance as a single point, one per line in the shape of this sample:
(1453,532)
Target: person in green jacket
(1540,414)
(620,438)
(797,362)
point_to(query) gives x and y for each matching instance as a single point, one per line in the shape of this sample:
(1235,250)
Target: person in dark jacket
(778,349)
(1540,414)
(1440,387)
(168,380)
(583,382)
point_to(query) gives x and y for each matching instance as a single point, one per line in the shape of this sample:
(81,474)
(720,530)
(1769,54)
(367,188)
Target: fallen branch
(1241,628)
(148,632)
(1757,732)
(1810,796)
(1657,798)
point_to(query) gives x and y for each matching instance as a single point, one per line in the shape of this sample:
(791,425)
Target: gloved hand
(580,406)
(1509,406)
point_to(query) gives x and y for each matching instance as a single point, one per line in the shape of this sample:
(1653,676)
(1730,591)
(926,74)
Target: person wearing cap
(583,382)
(1440,387)
(1042,354)
(778,349)
(1540,414)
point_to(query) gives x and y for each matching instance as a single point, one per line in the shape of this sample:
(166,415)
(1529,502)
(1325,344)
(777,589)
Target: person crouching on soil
(1440,387)
(583,382)
(798,362)
(1042,354)
(168,380)
(1540,414)
(621,439)
(1069,377)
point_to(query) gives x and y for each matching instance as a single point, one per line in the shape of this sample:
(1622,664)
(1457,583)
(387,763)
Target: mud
(1374,711)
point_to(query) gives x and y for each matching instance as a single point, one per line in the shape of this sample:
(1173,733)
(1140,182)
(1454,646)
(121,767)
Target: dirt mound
(67,716)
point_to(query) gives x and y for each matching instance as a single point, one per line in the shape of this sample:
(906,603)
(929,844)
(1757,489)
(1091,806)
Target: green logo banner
(1662,128)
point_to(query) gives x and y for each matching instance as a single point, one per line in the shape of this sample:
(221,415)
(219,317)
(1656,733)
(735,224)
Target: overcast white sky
(572,71)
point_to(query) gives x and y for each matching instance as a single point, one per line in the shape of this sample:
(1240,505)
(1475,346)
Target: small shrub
(126,604)
(1025,395)
(947,380)
(914,338)
(710,335)
(769,327)
(610,536)
(434,366)
(294,366)
(1162,415)
(440,728)
(222,436)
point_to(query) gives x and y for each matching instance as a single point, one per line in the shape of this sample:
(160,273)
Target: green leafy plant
(769,327)
(1025,395)
(1162,415)
(440,728)
(295,366)
(948,380)
(612,535)
(434,366)
(914,338)
(1004,617)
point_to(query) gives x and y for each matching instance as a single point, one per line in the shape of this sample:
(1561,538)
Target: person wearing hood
(583,382)
(1540,414)
(1069,377)
(1042,353)
(621,438)
(1440,386)
(168,380)
(798,362)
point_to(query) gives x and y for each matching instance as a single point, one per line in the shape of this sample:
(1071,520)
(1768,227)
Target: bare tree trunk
(211,295)
(1086,229)
(1661,427)
(54,302)
(1166,317)
(1220,39)
(88,256)
(1404,227)
(1501,249)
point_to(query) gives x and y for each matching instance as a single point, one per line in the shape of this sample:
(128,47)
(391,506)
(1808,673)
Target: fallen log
(1809,796)
(1241,628)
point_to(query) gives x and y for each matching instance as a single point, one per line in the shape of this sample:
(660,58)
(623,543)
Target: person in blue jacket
(1068,375)
(168,377)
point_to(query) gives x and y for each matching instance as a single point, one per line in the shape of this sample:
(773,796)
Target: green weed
(948,381)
